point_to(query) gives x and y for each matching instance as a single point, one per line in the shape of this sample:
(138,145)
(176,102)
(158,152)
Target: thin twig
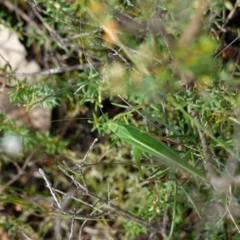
(203,137)
(227,47)
(72,227)
(90,149)
(81,228)
(49,187)
(54,93)
(23,15)
(204,143)
(195,24)
(52,70)
(79,216)
(229,212)
(111,207)
(230,15)
(78,200)
(20,171)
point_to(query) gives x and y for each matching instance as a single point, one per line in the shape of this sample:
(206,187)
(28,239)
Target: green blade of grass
(151,145)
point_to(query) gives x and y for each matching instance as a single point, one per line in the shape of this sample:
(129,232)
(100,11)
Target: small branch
(229,45)
(83,224)
(72,227)
(50,187)
(230,15)
(78,200)
(90,148)
(20,171)
(195,23)
(53,94)
(111,207)
(202,135)
(204,143)
(79,216)
(23,15)
(52,70)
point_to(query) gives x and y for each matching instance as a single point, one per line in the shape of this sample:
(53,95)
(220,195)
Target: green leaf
(151,145)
